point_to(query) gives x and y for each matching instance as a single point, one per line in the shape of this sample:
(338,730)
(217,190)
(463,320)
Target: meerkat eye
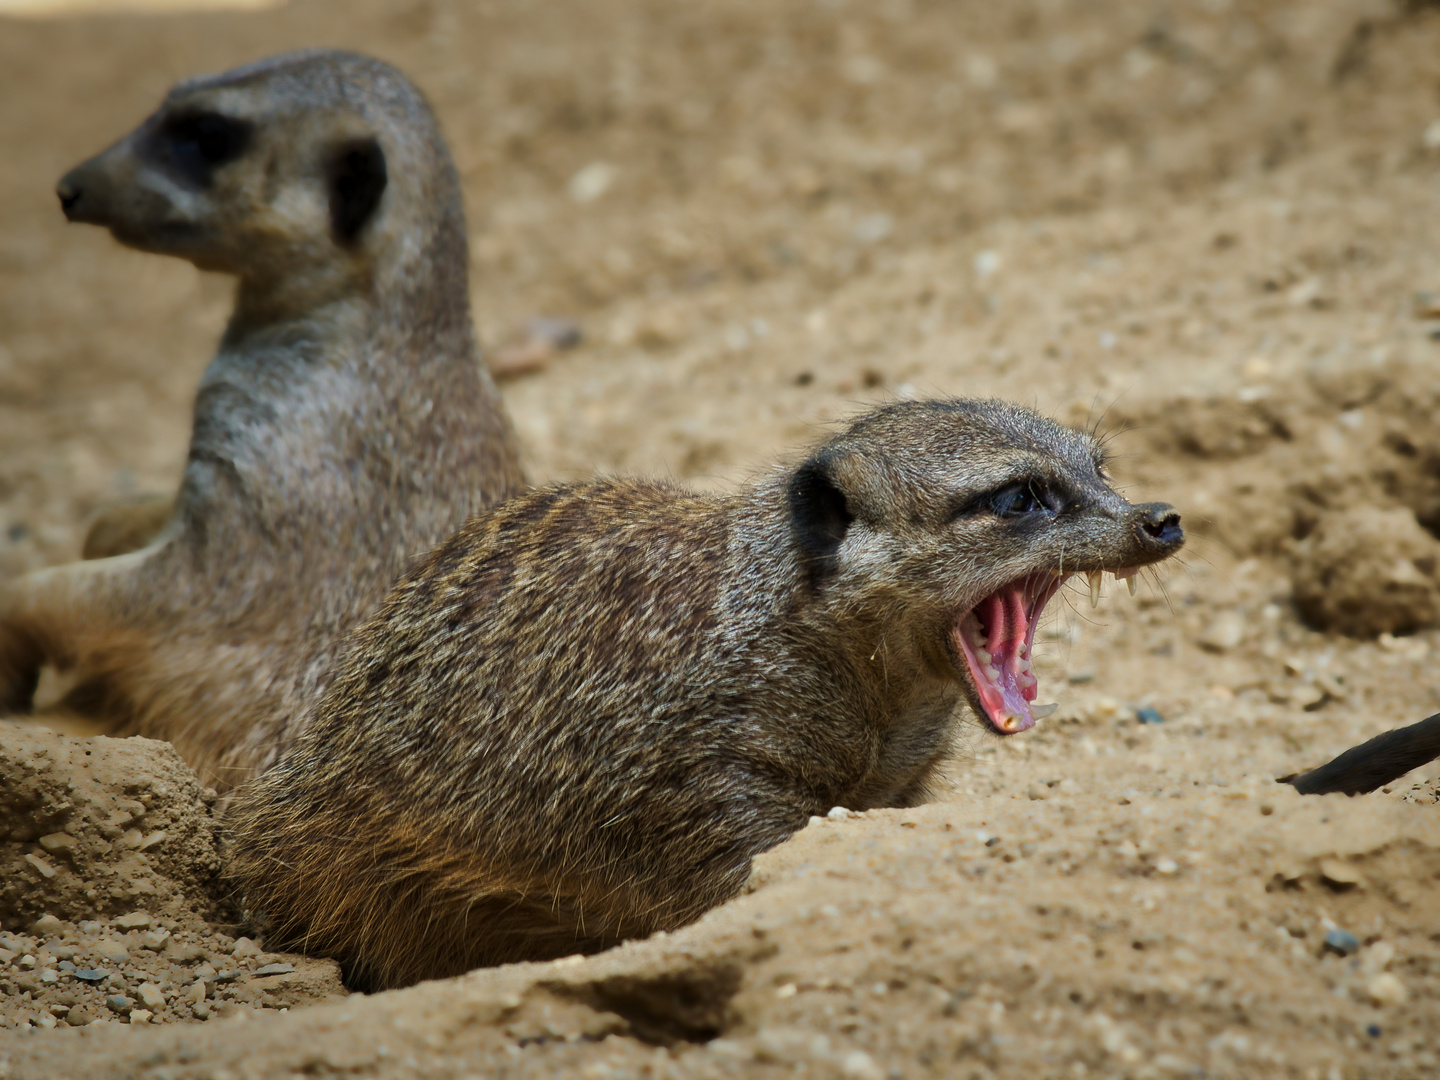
(1015,500)
(199,143)
(1025,497)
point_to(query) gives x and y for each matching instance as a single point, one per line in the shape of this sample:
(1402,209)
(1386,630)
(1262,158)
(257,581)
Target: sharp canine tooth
(1132,581)
(1042,711)
(1096,577)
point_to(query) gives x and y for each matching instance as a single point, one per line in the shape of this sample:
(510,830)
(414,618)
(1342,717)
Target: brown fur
(344,426)
(578,719)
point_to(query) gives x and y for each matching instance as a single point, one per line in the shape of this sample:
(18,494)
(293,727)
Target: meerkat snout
(1159,524)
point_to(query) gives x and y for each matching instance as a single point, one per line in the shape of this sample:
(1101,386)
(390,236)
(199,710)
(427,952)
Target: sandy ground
(1209,229)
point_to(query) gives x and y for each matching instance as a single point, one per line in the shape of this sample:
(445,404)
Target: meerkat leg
(120,530)
(57,617)
(21,658)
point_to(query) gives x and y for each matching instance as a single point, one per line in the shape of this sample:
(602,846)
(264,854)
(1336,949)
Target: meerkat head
(950,524)
(305,168)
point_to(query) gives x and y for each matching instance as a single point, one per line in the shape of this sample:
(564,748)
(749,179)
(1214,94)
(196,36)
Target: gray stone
(1341,941)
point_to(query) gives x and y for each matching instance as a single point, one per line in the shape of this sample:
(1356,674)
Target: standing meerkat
(579,719)
(344,426)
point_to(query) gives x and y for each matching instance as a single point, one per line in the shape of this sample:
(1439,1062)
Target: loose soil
(1206,229)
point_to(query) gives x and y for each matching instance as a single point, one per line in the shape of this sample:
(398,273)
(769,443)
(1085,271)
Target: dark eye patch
(196,144)
(1016,500)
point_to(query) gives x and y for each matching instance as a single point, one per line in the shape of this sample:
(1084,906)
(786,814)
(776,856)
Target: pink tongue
(1007,628)
(1006,635)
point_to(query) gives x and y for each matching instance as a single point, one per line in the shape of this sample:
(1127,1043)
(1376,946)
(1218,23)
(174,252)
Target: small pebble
(1340,875)
(151,996)
(1341,941)
(592,181)
(196,993)
(118,1003)
(93,975)
(560,332)
(274,969)
(1038,792)
(244,947)
(858,1065)
(1387,989)
(1377,958)
(1166,866)
(1146,715)
(838,813)
(1225,632)
(58,842)
(200,1010)
(113,950)
(155,939)
(47,925)
(136,920)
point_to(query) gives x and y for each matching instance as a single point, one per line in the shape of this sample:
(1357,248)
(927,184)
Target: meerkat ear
(819,512)
(357,178)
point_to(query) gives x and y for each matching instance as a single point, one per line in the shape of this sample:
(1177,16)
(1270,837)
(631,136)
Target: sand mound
(1368,571)
(110,900)
(99,827)
(1266,935)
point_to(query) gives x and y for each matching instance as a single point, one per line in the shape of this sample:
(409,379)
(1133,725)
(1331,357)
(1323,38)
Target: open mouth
(995,638)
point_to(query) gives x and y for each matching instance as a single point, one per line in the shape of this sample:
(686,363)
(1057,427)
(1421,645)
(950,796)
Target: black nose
(1158,525)
(70,194)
